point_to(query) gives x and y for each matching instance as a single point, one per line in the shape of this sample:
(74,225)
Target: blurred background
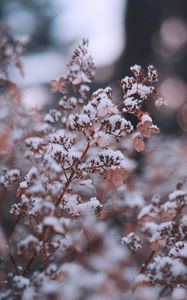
(121,33)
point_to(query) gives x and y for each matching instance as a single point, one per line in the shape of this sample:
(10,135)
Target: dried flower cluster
(84,227)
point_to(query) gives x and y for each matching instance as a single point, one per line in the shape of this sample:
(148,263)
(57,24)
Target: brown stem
(9,244)
(13,262)
(144,266)
(60,197)
(27,268)
(15,225)
(65,188)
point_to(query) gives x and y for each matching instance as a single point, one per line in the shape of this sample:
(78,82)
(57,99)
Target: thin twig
(13,262)
(144,266)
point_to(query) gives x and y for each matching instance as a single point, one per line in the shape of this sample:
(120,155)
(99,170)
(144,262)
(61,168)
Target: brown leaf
(116,176)
(58,85)
(54,86)
(139,144)
(10,87)
(20,68)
